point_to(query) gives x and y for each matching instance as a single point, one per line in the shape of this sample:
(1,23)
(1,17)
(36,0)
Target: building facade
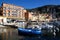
(47,13)
(12,11)
(33,16)
(39,16)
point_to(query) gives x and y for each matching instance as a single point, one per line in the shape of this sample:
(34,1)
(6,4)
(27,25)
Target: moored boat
(29,31)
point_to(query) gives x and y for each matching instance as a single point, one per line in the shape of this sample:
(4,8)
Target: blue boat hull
(29,31)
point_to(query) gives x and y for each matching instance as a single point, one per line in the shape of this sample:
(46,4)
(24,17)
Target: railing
(9,23)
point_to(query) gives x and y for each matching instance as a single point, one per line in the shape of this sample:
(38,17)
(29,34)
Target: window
(8,13)
(8,8)
(4,11)
(4,8)
(14,15)
(4,14)
(14,12)
(20,12)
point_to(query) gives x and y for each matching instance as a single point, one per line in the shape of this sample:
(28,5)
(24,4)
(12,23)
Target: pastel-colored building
(10,11)
(33,16)
(40,17)
(45,17)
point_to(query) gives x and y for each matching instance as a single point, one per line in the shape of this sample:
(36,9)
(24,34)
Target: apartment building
(11,11)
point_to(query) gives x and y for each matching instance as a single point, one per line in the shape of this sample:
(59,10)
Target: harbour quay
(17,23)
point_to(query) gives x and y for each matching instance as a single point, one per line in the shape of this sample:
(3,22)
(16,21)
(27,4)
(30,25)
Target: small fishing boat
(29,31)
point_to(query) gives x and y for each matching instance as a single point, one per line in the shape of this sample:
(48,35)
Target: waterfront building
(12,12)
(33,16)
(45,17)
(47,12)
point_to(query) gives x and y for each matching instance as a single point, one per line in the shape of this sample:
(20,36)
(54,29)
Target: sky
(29,4)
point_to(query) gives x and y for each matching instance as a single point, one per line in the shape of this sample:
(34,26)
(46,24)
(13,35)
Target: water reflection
(12,34)
(8,34)
(38,38)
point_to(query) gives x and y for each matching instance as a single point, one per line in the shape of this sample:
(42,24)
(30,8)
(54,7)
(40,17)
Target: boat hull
(23,31)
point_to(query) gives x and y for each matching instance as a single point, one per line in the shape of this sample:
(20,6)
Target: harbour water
(8,34)
(39,38)
(12,34)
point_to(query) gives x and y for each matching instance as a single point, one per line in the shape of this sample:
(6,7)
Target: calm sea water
(12,34)
(38,38)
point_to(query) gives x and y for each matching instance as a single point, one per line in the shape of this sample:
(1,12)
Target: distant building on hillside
(47,12)
(33,16)
(39,17)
